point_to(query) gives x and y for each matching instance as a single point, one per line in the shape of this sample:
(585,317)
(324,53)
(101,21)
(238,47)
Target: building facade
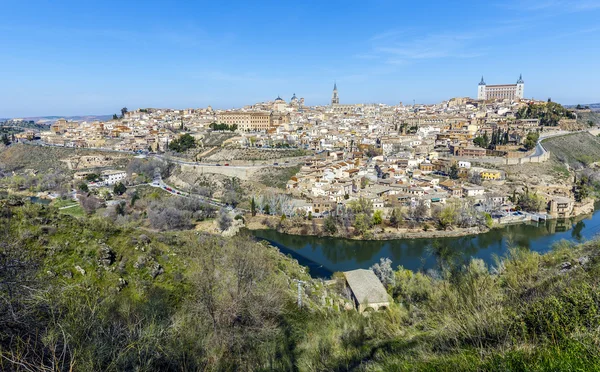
(513,92)
(246,120)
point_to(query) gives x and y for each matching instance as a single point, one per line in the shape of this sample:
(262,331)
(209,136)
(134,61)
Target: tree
(267,209)
(92,177)
(123,112)
(5,140)
(253,207)
(395,217)
(224,220)
(364,182)
(446,216)
(329,225)
(480,141)
(377,218)
(83,187)
(362,223)
(384,271)
(89,203)
(115,117)
(419,211)
(454,172)
(119,189)
(183,143)
(120,209)
(531,140)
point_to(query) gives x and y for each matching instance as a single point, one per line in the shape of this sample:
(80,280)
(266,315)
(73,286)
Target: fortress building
(513,92)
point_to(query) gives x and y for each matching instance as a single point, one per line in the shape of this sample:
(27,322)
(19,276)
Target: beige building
(513,92)
(246,120)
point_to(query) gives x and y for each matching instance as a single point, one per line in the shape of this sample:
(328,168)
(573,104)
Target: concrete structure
(367,290)
(513,92)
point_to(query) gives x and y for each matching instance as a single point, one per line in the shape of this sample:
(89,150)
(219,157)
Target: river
(325,255)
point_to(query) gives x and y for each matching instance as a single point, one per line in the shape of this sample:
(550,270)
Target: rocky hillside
(578,150)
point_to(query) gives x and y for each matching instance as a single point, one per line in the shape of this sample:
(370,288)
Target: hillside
(19,156)
(86,295)
(577,150)
(587,117)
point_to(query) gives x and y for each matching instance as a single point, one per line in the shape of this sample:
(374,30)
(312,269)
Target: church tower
(335,100)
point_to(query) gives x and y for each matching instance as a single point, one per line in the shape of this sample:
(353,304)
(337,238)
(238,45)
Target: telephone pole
(300,282)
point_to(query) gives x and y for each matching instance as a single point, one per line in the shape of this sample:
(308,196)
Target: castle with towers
(513,92)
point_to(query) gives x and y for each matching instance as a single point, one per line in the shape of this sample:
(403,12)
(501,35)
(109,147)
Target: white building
(511,92)
(111,177)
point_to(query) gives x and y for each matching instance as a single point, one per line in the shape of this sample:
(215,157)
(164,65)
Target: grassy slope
(575,149)
(529,316)
(277,176)
(19,156)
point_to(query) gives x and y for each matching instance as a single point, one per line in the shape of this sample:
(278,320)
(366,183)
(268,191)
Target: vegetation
(223,127)
(531,140)
(182,144)
(278,177)
(119,189)
(85,294)
(577,150)
(549,113)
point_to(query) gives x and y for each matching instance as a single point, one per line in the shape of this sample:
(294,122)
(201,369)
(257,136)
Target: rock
(50,274)
(583,260)
(144,239)
(122,265)
(106,256)
(156,270)
(67,274)
(565,266)
(140,263)
(80,269)
(121,284)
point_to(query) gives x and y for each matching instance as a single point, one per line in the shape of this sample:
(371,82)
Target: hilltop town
(362,170)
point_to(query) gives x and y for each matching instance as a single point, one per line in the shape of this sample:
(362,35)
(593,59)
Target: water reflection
(332,254)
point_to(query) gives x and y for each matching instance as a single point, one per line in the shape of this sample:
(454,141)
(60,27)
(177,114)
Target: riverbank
(332,254)
(314,227)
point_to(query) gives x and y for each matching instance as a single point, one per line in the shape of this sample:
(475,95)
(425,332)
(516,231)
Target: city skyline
(75,59)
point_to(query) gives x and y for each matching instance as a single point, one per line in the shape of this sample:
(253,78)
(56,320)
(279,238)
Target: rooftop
(366,286)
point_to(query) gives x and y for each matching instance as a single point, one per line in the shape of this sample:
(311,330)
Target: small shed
(367,290)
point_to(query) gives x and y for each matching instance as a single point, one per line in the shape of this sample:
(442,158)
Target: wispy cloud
(397,49)
(559,6)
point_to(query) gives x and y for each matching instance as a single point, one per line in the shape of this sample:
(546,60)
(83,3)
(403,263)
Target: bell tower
(335,99)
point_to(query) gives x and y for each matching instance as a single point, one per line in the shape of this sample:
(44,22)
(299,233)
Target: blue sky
(83,57)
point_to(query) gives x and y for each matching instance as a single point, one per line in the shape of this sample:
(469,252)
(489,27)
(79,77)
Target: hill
(86,294)
(577,150)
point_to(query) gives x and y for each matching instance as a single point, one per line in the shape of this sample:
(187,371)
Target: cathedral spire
(482,82)
(335,99)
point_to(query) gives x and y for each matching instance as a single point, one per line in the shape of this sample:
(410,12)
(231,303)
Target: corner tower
(481,90)
(520,87)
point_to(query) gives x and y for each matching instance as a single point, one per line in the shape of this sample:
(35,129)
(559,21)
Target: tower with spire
(520,87)
(481,90)
(335,99)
